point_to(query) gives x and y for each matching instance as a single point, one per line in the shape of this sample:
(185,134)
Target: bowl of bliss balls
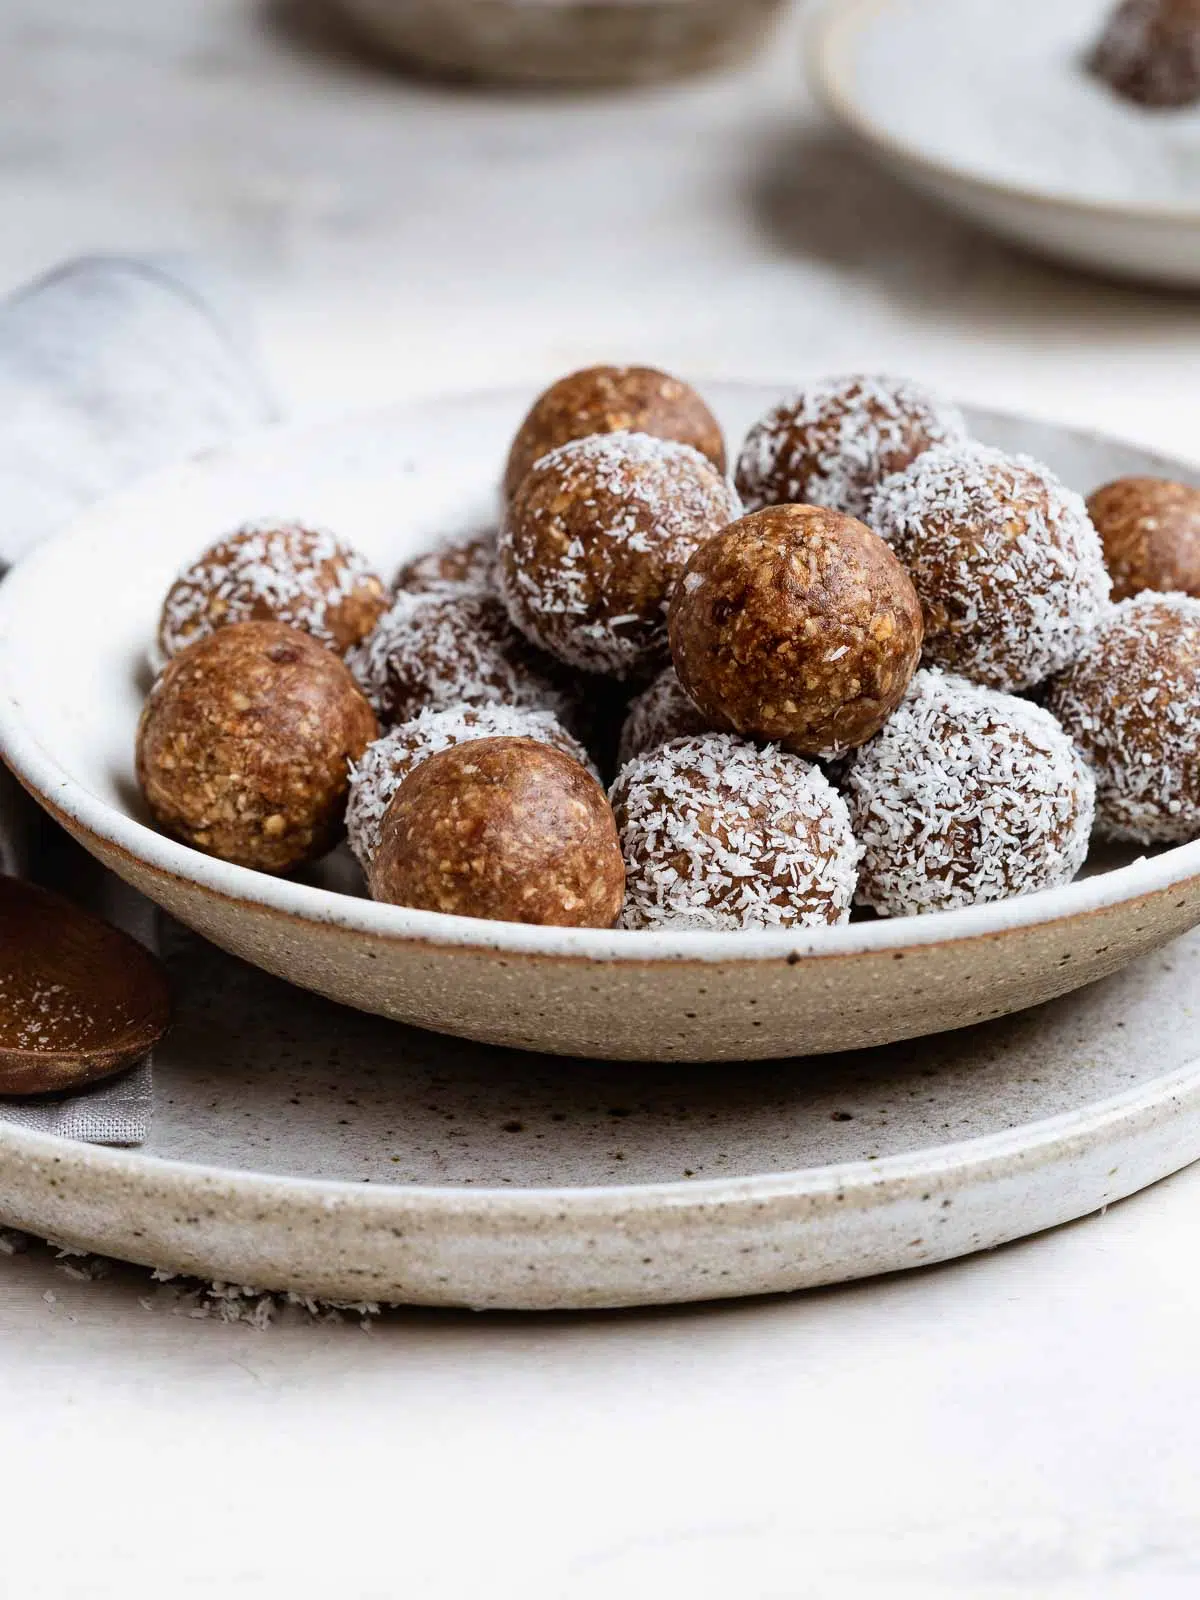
(853,726)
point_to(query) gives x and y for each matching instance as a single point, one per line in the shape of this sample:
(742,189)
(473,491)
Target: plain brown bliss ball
(613,400)
(799,626)
(1150,530)
(595,541)
(832,443)
(245,746)
(275,572)
(388,761)
(505,829)
(1149,52)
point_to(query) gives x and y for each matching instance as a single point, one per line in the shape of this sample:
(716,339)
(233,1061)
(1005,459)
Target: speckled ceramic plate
(859,45)
(296,1145)
(75,620)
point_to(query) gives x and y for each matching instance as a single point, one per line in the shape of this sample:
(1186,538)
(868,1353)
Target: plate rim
(836,30)
(69,800)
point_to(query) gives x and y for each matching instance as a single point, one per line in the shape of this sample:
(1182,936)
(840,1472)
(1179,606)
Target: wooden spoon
(78,999)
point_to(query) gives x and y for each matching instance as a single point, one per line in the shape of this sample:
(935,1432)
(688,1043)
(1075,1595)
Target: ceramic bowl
(563,41)
(1151,241)
(75,621)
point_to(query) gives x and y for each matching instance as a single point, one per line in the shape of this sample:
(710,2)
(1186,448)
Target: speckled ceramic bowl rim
(63,796)
(835,33)
(865,1182)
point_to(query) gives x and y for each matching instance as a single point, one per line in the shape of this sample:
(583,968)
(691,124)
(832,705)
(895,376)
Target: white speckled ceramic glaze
(1155,243)
(297,1145)
(75,620)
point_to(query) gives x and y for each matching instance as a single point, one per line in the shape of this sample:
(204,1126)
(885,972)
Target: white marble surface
(1021,1424)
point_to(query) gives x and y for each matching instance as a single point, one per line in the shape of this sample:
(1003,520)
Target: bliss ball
(720,835)
(463,561)
(388,761)
(595,541)
(274,572)
(1131,702)
(450,647)
(832,444)
(246,742)
(505,829)
(1006,562)
(659,714)
(1149,52)
(1150,530)
(967,796)
(799,626)
(613,400)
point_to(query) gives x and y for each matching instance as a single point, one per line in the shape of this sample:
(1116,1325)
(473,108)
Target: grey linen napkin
(109,368)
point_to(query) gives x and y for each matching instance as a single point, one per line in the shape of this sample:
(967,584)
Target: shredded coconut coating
(659,714)
(274,572)
(1131,702)
(387,762)
(720,835)
(1149,52)
(835,441)
(462,561)
(967,796)
(450,647)
(1005,560)
(595,541)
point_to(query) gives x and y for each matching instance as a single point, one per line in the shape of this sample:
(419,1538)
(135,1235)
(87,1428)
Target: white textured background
(1022,1424)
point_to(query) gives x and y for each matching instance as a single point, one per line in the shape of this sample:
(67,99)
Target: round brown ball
(720,835)
(245,746)
(595,542)
(507,829)
(464,561)
(613,400)
(1149,52)
(1004,557)
(451,646)
(796,625)
(1150,530)
(832,443)
(275,572)
(1131,702)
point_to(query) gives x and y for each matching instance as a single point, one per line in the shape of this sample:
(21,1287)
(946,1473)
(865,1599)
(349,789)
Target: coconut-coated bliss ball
(450,646)
(968,795)
(595,541)
(662,712)
(1131,702)
(836,440)
(274,572)
(460,561)
(1150,530)
(719,834)
(1005,559)
(1149,52)
(613,400)
(505,829)
(246,742)
(796,625)
(388,761)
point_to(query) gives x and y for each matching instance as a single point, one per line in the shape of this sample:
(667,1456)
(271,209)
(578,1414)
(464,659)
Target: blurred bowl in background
(573,42)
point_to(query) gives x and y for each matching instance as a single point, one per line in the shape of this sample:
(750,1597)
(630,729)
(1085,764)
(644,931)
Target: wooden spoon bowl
(79,1000)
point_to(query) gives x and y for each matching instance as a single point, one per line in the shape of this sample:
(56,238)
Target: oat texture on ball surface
(798,625)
